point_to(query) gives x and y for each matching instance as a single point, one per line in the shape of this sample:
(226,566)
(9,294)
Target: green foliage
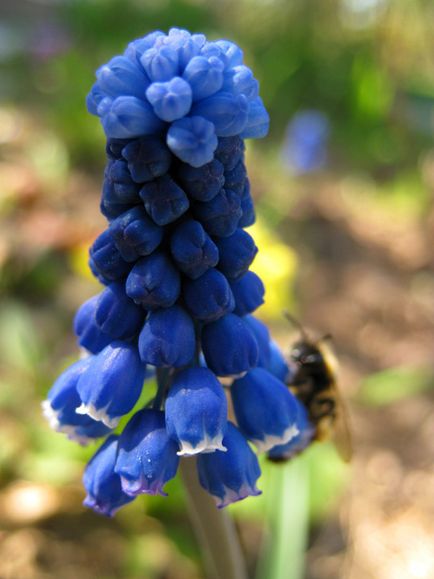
(395,384)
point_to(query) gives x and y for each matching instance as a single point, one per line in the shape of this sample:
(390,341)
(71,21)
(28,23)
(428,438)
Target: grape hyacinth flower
(178,295)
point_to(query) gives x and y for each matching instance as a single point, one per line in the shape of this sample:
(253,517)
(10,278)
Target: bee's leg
(321,407)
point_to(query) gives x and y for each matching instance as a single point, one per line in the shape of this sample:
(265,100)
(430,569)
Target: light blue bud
(227,112)
(122,77)
(258,121)
(137,47)
(161,63)
(170,100)
(193,140)
(240,80)
(130,117)
(205,76)
(233,53)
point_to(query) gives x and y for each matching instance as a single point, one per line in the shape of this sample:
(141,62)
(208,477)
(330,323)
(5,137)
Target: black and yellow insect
(314,382)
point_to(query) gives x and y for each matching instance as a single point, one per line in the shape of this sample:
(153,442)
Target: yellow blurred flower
(276,264)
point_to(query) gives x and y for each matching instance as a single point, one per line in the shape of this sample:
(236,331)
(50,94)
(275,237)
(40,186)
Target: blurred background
(344,191)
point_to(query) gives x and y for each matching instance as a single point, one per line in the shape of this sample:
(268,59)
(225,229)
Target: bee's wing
(341,430)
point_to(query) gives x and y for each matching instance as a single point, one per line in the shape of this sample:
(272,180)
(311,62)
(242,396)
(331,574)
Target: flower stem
(215,530)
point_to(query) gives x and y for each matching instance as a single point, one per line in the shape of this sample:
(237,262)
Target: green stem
(215,530)
(163,376)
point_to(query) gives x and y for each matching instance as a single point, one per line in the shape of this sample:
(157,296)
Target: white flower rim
(271,440)
(206,445)
(98,414)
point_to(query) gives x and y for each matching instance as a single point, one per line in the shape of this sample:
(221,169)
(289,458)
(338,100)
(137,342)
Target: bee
(314,383)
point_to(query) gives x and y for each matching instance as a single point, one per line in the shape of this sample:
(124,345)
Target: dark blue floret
(277,364)
(262,335)
(111,384)
(146,457)
(236,254)
(102,484)
(230,151)
(135,234)
(154,282)
(208,297)
(117,315)
(196,412)
(306,431)
(89,334)
(106,258)
(168,338)
(235,179)
(147,158)
(248,217)
(229,346)
(265,409)
(164,200)
(62,402)
(221,215)
(111,205)
(230,476)
(114,148)
(248,293)
(202,183)
(192,249)
(125,190)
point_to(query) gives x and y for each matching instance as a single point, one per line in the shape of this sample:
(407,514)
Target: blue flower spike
(196,412)
(179,295)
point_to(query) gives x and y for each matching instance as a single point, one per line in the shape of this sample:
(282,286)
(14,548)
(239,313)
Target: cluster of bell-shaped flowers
(179,295)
